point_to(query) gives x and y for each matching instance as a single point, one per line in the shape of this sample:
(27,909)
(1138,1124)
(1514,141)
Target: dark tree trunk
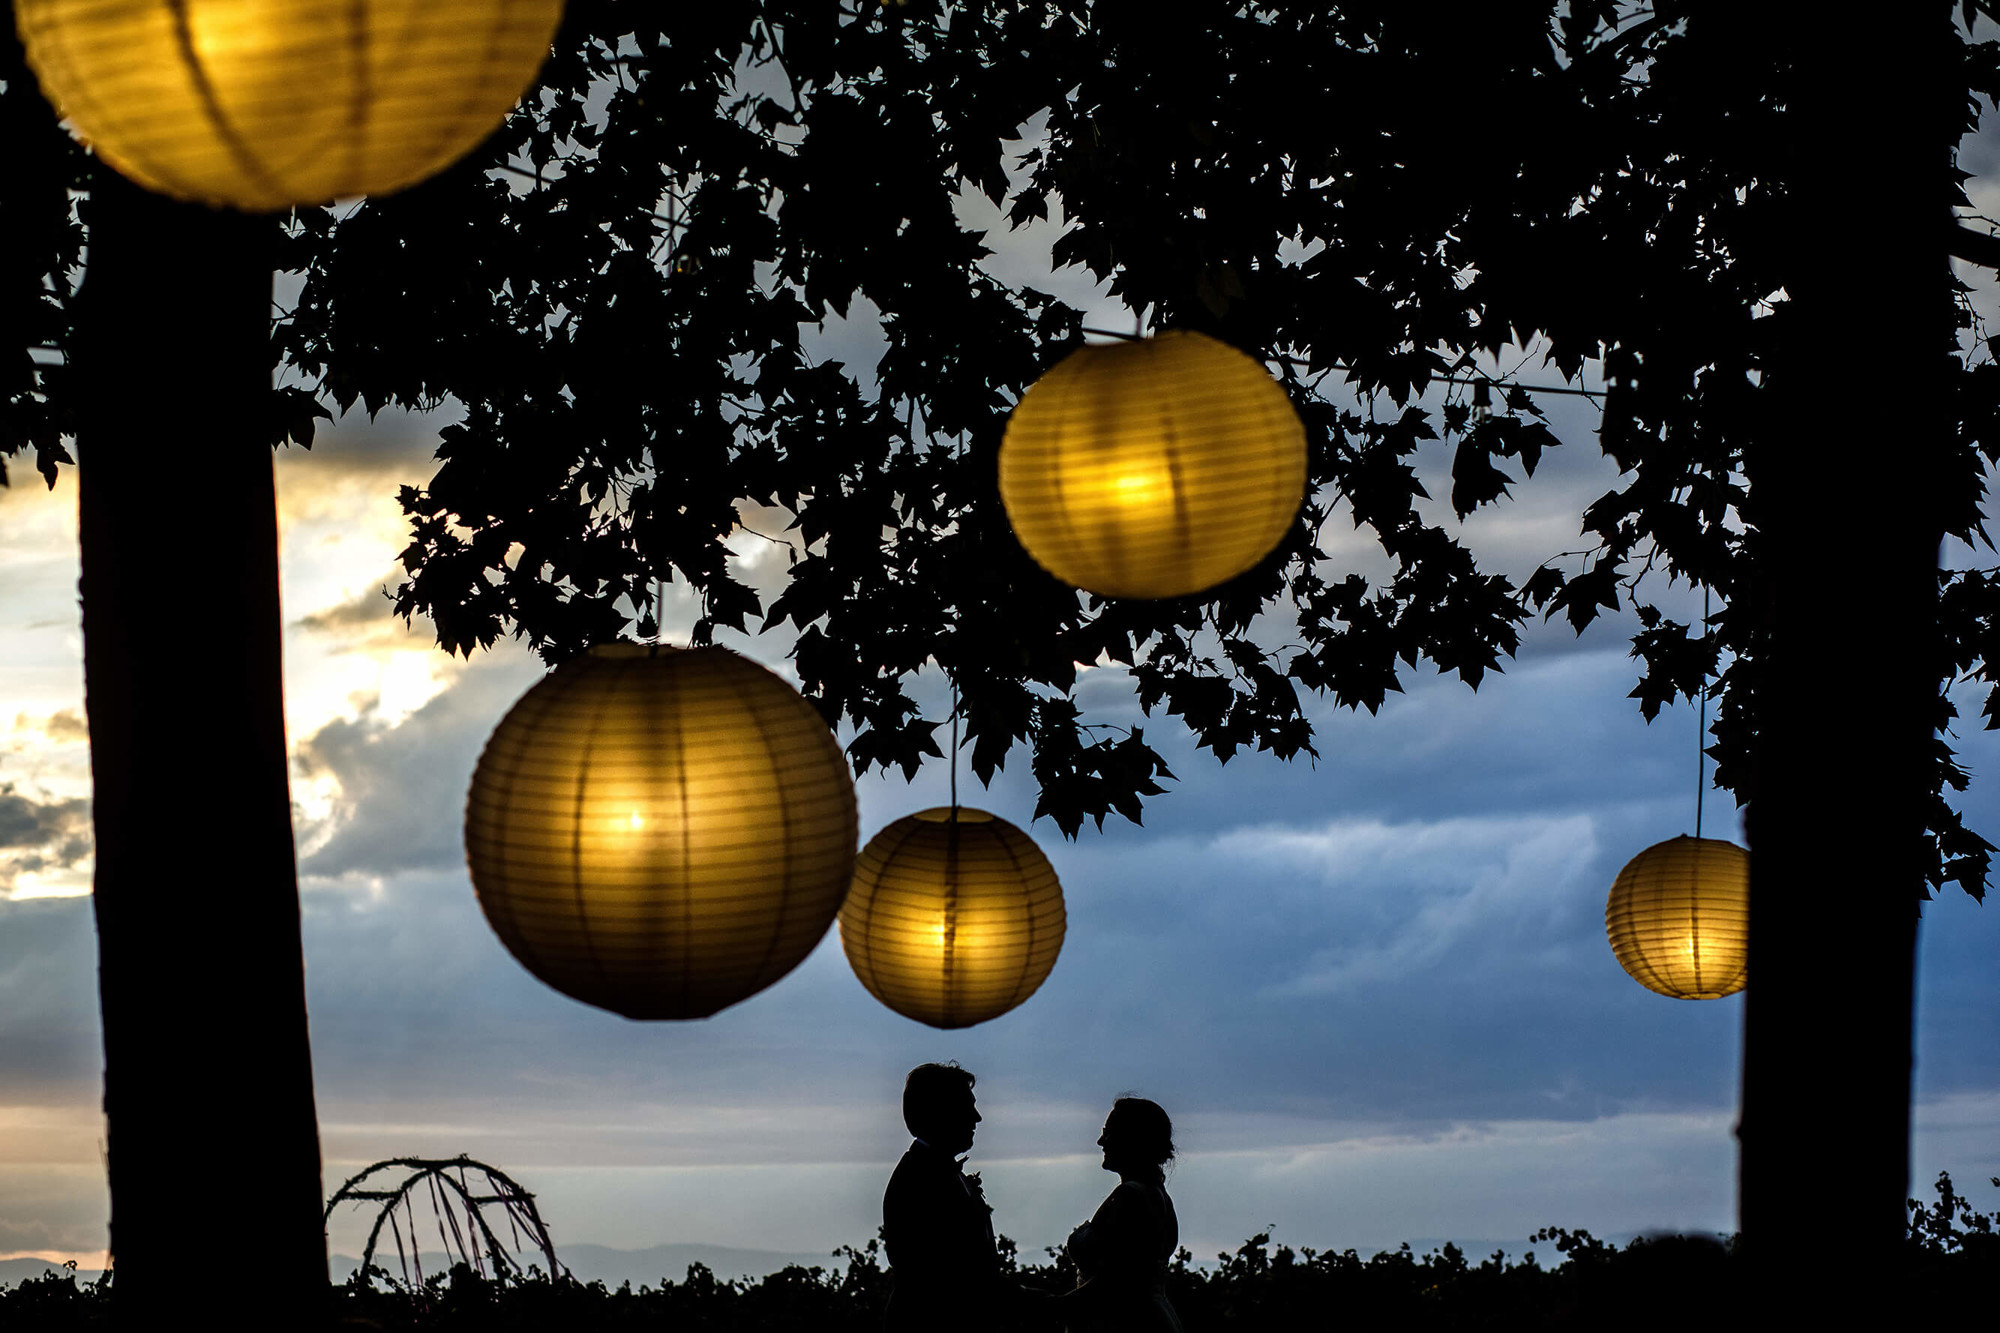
(213,1144)
(1845,487)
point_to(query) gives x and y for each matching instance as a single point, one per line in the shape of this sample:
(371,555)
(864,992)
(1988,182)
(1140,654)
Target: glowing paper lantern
(1679,918)
(660,831)
(952,920)
(1154,468)
(269,104)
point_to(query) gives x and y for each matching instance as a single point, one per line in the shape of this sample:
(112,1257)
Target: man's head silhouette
(938,1106)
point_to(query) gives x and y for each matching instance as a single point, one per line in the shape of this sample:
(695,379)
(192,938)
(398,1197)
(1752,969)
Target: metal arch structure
(477,1243)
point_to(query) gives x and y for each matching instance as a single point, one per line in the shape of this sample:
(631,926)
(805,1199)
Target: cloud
(402,787)
(62,727)
(49,1031)
(1251,950)
(393,445)
(54,1211)
(1447,883)
(26,822)
(40,837)
(363,621)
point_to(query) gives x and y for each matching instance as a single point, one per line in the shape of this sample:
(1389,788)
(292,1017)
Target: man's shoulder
(919,1166)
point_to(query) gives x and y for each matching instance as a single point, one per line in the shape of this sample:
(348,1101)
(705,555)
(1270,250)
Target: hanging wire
(958,613)
(1700,753)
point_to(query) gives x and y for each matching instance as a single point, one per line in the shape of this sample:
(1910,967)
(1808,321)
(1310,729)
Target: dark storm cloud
(38,836)
(1409,931)
(371,609)
(26,822)
(1413,930)
(1337,978)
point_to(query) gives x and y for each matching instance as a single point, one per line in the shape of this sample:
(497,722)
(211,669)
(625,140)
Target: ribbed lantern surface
(1154,468)
(1679,918)
(952,921)
(659,831)
(269,104)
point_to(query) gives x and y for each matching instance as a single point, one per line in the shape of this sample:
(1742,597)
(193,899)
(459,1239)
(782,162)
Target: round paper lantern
(270,104)
(1679,918)
(955,917)
(661,831)
(1154,468)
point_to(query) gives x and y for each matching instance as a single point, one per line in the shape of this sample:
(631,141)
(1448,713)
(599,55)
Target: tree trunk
(213,1144)
(1845,483)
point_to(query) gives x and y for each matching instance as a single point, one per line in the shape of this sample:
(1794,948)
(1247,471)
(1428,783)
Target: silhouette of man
(944,1267)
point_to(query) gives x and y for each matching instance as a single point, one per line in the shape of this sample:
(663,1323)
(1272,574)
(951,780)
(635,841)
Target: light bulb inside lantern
(233,33)
(1140,489)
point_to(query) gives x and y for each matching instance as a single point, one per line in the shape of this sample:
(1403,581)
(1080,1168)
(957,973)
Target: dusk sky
(1375,992)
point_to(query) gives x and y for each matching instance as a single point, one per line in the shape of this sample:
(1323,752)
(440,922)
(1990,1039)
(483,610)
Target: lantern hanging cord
(957,611)
(1701,755)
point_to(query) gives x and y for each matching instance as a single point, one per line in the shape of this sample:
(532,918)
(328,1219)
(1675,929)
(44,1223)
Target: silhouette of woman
(1122,1252)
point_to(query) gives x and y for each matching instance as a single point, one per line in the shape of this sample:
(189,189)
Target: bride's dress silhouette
(1122,1252)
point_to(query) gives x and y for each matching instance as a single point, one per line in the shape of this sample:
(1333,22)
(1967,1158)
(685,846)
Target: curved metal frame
(501,1189)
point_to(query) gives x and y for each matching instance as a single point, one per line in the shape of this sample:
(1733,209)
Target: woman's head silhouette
(1138,1138)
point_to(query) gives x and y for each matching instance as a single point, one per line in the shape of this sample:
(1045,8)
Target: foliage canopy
(624,292)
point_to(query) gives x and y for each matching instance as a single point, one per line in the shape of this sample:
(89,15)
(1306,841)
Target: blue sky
(1374,991)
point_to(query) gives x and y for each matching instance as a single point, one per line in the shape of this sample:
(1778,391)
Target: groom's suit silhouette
(935,1222)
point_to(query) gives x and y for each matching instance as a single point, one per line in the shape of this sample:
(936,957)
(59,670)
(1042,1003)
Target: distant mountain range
(590,1263)
(14,1271)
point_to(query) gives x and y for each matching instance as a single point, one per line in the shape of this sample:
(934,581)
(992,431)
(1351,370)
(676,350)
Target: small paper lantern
(270,104)
(1679,918)
(955,917)
(1154,468)
(661,832)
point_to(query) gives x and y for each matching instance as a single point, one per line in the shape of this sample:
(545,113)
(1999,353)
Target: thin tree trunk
(1845,483)
(212,1140)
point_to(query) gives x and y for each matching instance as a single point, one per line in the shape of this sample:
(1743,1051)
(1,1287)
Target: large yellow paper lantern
(1679,918)
(661,831)
(1153,468)
(955,917)
(270,104)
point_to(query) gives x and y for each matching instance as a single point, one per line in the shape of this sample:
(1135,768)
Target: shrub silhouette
(1951,1262)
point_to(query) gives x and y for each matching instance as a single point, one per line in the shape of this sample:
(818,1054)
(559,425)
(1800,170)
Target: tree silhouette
(1707,207)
